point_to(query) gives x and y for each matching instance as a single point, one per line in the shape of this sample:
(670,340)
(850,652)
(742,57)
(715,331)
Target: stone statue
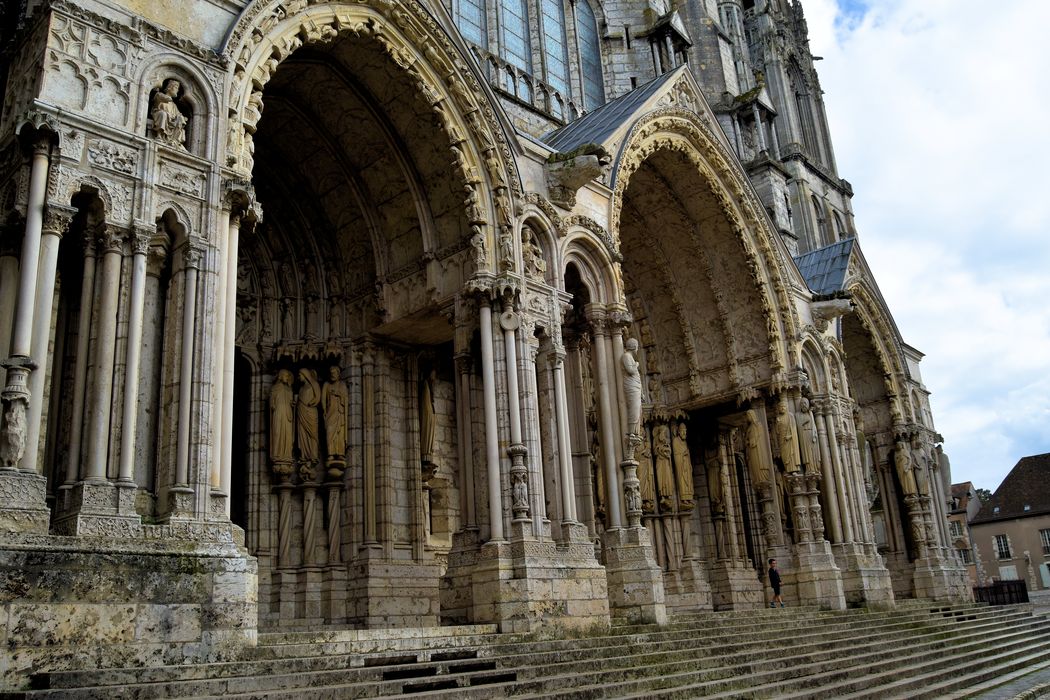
(281,419)
(477,242)
(664,469)
(683,467)
(335,398)
(426,419)
(757,464)
(306,416)
(716,496)
(532,254)
(905,469)
(599,475)
(169,124)
(944,466)
(632,386)
(787,435)
(807,437)
(506,250)
(520,491)
(920,465)
(645,474)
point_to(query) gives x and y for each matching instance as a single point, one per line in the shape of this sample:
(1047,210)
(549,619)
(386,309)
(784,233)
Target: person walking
(774,581)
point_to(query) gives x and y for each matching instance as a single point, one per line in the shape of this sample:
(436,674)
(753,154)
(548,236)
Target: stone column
(368,420)
(8,293)
(140,246)
(608,417)
(796,485)
(22,494)
(56,220)
(833,488)
(100,413)
(561,411)
(519,478)
(181,495)
(488,371)
(466,439)
(222,479)
(87,287)
(841,473)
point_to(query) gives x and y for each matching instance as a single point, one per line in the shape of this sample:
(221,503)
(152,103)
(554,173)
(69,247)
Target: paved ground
(1034,685)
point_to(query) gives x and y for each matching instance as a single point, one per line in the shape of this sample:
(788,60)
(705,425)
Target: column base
(333,595)
(734,586)
(865,578)
(23,504)
(181,502)
(688,589)
(308,596)
(386,592)
(937,578)
(636,582)
(818,581)
(101,509)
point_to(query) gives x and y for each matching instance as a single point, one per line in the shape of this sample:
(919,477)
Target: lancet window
(470,18)
(590,56)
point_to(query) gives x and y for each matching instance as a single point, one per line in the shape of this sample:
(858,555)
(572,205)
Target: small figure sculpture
(281,418)
(477,242)
(807,436)
(757,463)
(520,492)
(632,386)
(787,434)
(169,124)
(905,469)
(532,254)
(336,400)
(306,418)
(645,474)
(664,470)
(683,467)
(506,250)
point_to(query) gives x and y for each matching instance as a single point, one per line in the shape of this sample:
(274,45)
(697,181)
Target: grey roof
(824,269)
(598,125)
(1024,492)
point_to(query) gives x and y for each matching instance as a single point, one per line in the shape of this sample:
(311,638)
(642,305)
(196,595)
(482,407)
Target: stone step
(464,688)
(520,652)
(493,669)
(996,678)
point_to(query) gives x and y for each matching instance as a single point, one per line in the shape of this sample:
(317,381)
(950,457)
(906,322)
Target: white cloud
(937,110)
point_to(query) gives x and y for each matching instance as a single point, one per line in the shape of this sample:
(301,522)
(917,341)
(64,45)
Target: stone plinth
(100,509)
(687,589)
(22,503)
(734,585)
(173,595)
(818,580)
(386,592)
(636,584)
(865,578)
(938,577)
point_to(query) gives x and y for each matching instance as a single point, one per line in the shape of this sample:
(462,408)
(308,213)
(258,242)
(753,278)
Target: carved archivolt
(877,322)
(675,130)
(268,31)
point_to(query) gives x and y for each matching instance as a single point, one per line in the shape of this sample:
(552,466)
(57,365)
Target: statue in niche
(169,124)
(683,466)
(646,483)
(282,399)
(335,398)
(427,421)
(663,465)
(944,466)
(506,250)
(520,492)
(477,242)
(532,254)
(807,436)
(787,436)
(921,465)
(599,475)
(716,495)
(632,386)
(306,421)
(902,461)
(757,464)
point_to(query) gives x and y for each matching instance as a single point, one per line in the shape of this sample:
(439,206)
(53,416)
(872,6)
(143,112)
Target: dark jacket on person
(774,579)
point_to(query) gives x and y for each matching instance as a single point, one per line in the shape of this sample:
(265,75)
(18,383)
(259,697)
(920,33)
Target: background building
(557,312)
(1012,529)
(964,508)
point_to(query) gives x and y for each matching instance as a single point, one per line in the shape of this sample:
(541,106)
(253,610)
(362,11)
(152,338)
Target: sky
(939,113)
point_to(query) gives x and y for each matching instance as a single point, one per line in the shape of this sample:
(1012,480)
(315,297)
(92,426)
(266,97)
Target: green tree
(984,495)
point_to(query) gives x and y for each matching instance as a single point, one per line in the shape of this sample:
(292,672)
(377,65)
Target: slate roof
(962,490)
(1027,484)
(598,125)
(824,269)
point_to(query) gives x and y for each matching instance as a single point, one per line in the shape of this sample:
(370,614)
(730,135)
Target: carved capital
(108,239)
(57,219)
(192,254)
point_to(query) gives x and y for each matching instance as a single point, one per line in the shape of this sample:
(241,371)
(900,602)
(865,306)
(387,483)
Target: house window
(1044,535)
(590,56)
(965,555)
(1008,573)
(956,528)
(1002,547)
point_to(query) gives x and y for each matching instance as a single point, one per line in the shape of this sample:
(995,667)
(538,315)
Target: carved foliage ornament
(268,31)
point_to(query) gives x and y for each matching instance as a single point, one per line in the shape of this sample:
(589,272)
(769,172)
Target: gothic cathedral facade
(408,313)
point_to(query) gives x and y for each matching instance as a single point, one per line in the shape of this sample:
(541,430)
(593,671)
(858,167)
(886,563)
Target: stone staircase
(915,650)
